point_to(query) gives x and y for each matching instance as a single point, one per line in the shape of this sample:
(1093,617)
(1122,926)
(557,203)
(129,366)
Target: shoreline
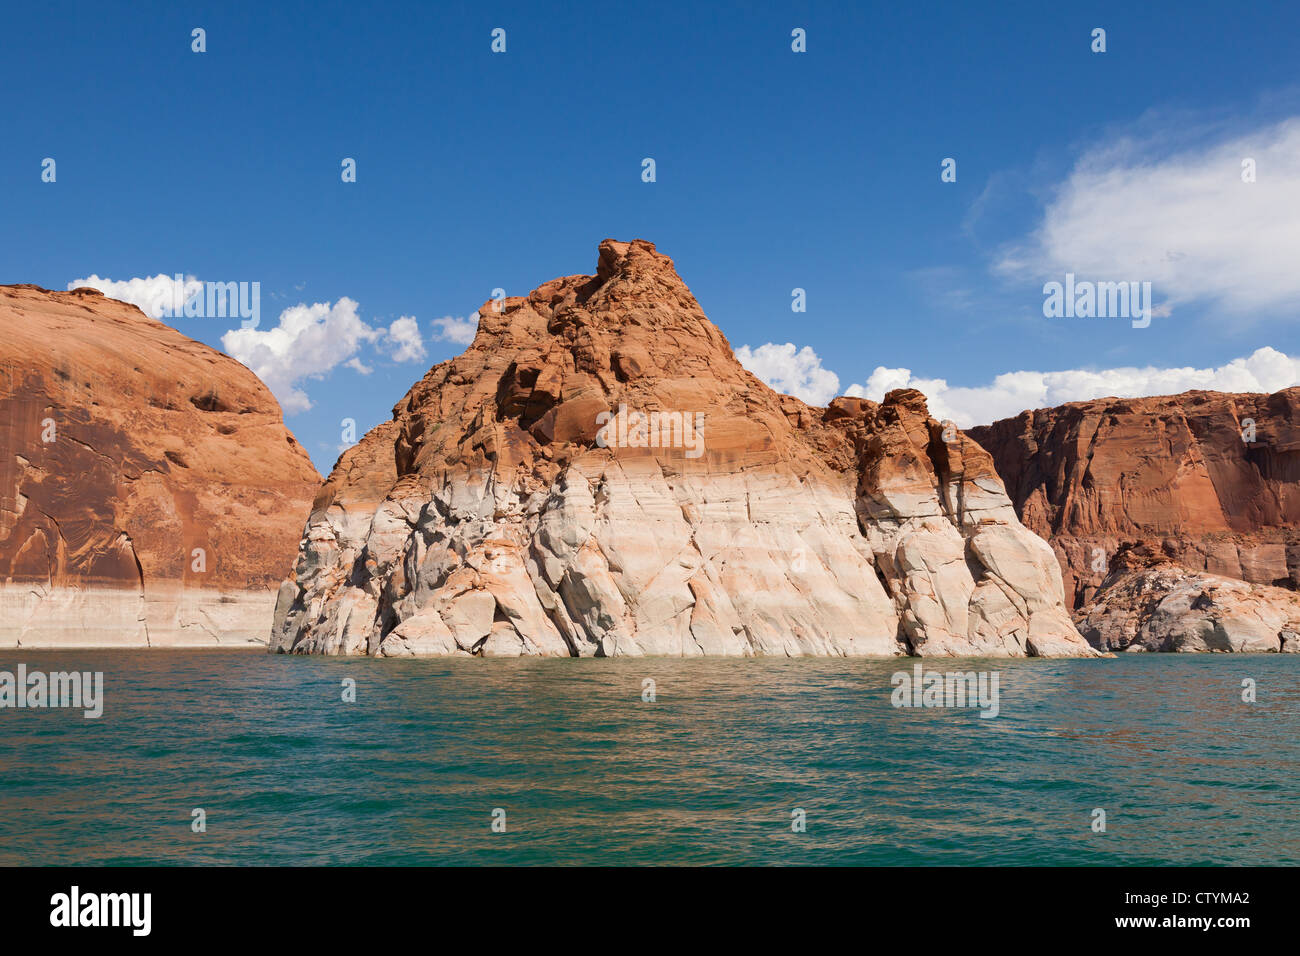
(264,647)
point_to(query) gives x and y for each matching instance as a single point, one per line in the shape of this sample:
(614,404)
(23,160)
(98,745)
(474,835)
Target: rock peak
(635,267)
(621,257)
(907,398)
(598,474)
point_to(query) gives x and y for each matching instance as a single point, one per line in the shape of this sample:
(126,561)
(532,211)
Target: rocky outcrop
(1148,603)
(150,494)
(1210,480)
(597,475)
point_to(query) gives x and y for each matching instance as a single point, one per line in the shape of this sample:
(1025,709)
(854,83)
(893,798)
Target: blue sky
(775,170)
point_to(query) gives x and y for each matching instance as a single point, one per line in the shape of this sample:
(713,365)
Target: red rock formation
(1210,480)
(512,507)
(149,491)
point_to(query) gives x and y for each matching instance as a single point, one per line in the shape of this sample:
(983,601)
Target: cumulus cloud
(403,340)
(1184,220)
(307,343)
(1265,370)
(796,372)
(310,340)
(153,295)
(1009,394)
(459,331)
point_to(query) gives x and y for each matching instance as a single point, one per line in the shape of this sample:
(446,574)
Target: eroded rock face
(503,511)
(1148,603)
(1209,480)
(149,491)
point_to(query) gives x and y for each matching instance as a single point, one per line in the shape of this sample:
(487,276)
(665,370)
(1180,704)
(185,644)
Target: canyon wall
(1211,480)
(1157,508)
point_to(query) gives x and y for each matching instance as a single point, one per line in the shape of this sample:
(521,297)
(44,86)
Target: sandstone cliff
(597,475)
(149,491)
(1203,486)
(1211,480)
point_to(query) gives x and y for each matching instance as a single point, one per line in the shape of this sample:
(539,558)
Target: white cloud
(153,295)
(358,366)
(796,372)
(460,331)
(308,342)
(1009,394)
(403,338)
(1184,221)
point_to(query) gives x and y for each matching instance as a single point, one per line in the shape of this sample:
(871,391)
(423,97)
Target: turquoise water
(587,772)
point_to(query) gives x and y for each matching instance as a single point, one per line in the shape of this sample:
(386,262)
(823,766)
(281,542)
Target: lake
(580,769)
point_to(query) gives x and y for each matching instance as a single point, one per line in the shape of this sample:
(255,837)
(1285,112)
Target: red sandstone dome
(149,490)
